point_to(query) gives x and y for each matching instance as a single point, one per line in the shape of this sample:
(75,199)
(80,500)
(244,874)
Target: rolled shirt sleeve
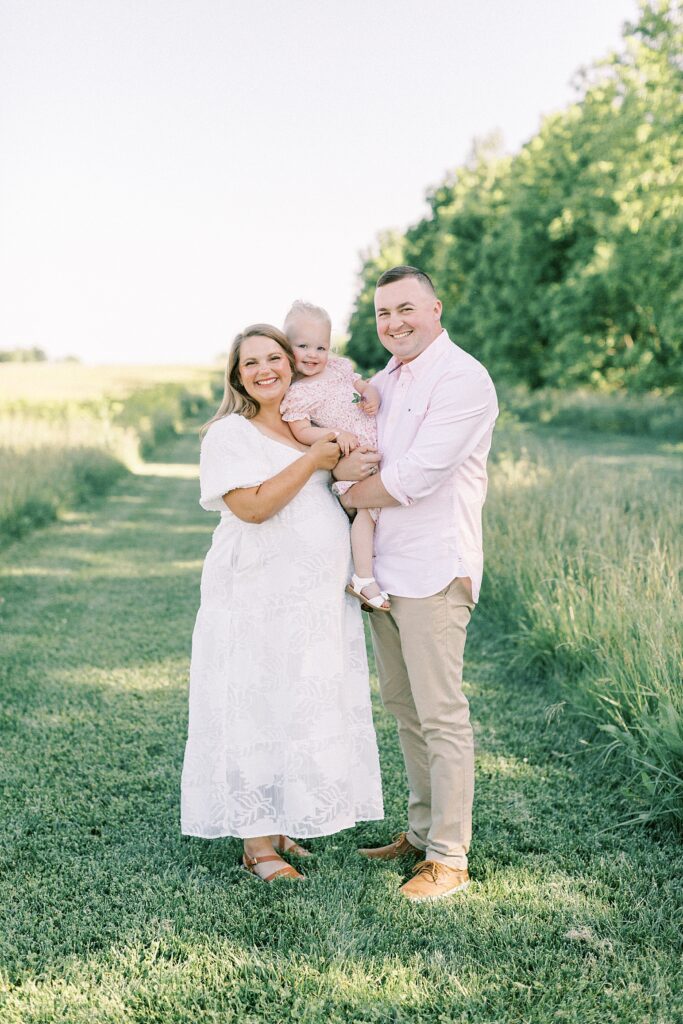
(447,436)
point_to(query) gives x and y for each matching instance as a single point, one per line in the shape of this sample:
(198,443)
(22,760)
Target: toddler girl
(330,395)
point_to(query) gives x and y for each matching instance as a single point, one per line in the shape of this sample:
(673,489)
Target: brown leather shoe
(399,848)
(432,881)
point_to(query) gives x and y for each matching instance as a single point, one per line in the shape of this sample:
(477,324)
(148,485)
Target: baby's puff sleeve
(230,457)
(295,405)
(344,369)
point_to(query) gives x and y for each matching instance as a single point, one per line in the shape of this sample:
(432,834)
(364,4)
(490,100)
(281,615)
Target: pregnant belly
(310,536)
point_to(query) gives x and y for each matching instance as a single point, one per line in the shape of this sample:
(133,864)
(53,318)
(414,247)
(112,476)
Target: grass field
(109,915)
(68,432)
(37,383)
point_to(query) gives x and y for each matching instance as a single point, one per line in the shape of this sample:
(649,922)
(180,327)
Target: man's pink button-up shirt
(434,430)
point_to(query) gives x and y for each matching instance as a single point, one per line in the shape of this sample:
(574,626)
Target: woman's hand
(325,452)
(347,441)
(359,465)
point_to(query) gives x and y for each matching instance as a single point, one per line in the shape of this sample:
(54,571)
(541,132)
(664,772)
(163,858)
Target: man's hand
(359,465)
(371,400)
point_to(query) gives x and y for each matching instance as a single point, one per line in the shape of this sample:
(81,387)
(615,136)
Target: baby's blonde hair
(298,309)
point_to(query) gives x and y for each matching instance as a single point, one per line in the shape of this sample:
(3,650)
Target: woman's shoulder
(231,426)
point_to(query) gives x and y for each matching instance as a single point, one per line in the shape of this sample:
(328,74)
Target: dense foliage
(563,265)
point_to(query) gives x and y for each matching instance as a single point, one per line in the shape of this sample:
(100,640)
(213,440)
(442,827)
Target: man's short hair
(398,273)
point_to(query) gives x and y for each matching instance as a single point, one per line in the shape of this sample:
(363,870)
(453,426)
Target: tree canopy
(563,264)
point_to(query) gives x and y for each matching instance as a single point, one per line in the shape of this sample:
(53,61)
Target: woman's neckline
(284,444)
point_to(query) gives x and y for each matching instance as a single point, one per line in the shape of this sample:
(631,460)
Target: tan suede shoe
(432,881)
(399,848)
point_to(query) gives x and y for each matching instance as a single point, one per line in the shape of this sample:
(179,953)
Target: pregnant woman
(281,741)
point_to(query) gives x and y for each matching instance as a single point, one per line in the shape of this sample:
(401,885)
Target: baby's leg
(362,540)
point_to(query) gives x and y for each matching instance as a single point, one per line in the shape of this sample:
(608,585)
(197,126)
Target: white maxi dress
(280,738)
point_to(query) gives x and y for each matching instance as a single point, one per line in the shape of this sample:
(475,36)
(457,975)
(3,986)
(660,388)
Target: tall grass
(55,454)
(646,415)
(583,582)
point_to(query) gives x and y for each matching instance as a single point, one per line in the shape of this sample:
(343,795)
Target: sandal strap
(286,870)
(292,848)
(252,861)
(362,581)
(358,582)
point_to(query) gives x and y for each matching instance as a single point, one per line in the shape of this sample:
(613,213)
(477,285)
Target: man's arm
(448,435)
(369,493)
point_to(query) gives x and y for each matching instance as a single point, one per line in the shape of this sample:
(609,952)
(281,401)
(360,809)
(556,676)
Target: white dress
(281,738)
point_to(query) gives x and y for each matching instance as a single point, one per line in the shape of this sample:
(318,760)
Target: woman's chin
(268,396)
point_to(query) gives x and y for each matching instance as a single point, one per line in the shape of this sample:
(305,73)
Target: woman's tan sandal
(294,849)
(379,603)
(286,871)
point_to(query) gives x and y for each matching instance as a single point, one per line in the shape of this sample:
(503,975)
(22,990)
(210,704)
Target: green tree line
(563,264)
(22,355)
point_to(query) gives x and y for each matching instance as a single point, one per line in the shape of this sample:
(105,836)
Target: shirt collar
(422,363)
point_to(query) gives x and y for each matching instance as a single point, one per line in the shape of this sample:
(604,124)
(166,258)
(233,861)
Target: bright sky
(173,170)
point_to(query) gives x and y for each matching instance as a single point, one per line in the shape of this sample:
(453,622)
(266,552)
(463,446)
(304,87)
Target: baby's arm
(370,395)
(305,432)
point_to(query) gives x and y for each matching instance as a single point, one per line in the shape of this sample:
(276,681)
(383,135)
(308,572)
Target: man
(435,426)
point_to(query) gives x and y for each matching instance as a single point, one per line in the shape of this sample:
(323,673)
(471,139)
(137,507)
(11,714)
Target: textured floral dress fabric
(280,738)
(327,400)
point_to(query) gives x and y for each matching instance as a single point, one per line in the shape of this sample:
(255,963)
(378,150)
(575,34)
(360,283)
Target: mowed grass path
(108,914)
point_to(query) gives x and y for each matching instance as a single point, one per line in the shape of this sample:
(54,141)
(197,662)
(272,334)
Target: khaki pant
(419,649)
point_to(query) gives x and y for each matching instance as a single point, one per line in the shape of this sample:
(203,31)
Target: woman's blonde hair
(235,398)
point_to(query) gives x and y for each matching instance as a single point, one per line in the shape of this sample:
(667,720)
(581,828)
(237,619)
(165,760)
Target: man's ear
(438,307)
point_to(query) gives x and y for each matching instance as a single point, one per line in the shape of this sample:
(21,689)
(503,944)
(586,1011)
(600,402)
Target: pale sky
(173,170)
